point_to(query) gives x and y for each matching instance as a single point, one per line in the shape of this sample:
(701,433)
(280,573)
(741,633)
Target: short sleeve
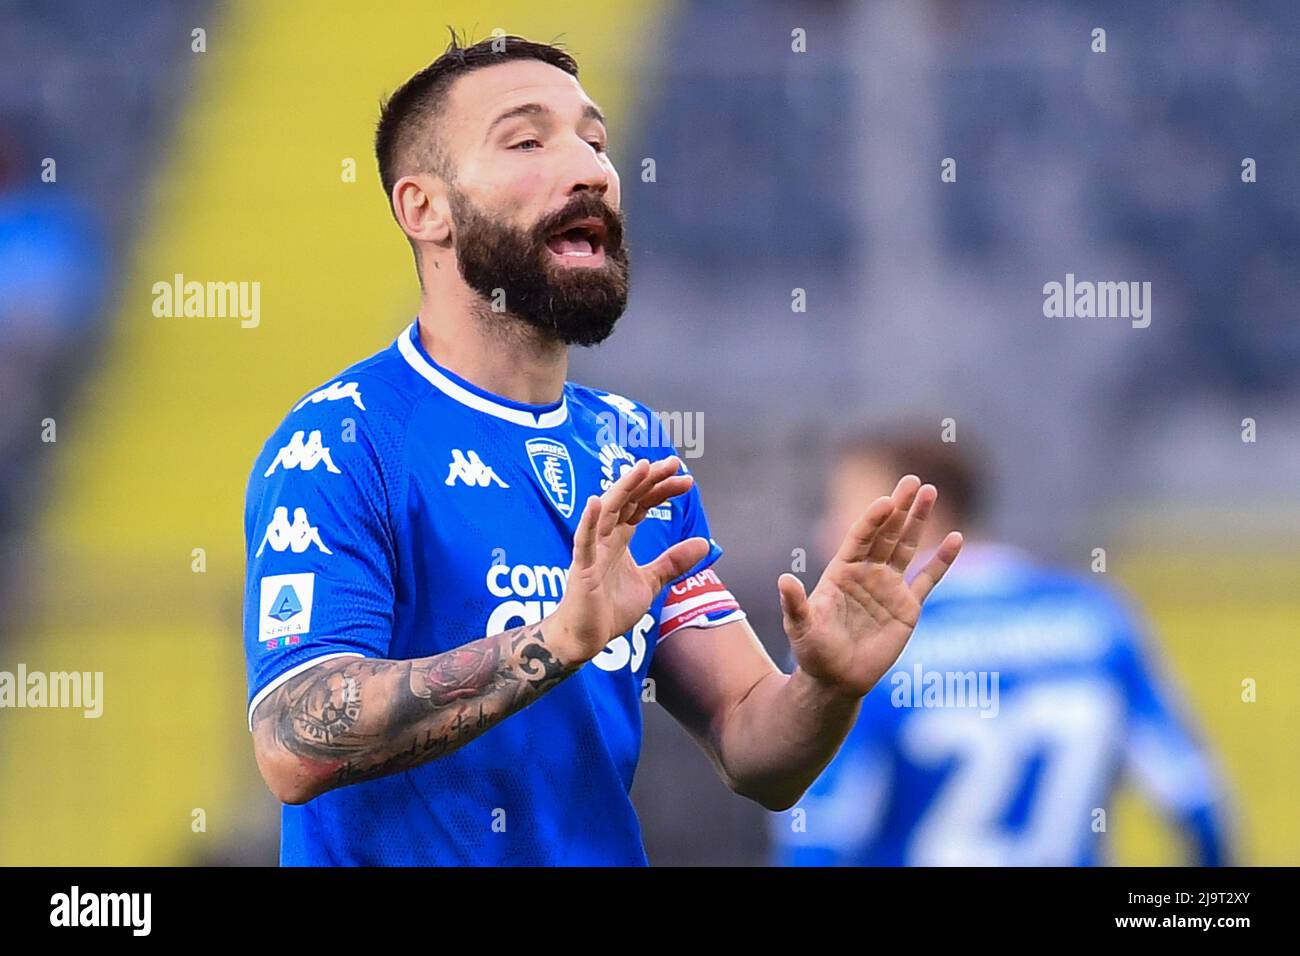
(698,598)
(694,523)
(320,553)
(1164,751)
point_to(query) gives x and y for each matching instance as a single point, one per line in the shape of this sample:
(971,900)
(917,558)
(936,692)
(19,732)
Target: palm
(858,619)
(615,591)
(607,591)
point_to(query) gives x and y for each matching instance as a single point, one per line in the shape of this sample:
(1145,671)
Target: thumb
(794,604)
(677,560)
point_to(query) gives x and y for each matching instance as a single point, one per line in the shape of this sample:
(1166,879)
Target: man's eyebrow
(590,111)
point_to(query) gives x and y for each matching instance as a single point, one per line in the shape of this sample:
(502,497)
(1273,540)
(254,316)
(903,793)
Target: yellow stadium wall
(155,463)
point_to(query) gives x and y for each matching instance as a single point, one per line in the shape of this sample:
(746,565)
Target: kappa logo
(627,407)
(286,608)
(471,470)
(296,537)
(303,454)
(554,469)
(332,393)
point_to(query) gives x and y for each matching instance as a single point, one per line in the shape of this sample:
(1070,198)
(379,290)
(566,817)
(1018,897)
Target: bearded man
(459,585)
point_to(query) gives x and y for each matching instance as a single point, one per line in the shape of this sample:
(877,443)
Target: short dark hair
(956,470)
(405,139)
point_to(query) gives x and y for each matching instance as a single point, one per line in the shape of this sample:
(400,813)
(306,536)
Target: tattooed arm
(352,719)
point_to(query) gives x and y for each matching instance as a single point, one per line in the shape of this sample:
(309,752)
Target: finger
(657,472)
(666,466)
(584,538)
(676,561)
(668,488)
(937,566)
(911,534)
(857,543)
(618,495)
(882,549)
(795,612)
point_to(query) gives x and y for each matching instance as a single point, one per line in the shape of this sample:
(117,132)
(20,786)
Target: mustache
(582,206)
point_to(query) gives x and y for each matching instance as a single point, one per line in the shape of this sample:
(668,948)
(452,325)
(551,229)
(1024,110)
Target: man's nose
(588,172)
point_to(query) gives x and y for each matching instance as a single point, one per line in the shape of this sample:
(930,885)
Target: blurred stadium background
(774,171)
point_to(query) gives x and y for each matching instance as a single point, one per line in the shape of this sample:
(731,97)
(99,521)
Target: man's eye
(527,145)
(597,145)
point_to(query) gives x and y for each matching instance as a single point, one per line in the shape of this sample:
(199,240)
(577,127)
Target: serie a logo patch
(285,608)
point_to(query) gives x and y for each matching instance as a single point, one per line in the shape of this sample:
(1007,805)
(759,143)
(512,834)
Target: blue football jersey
(399,512)
(1000,735)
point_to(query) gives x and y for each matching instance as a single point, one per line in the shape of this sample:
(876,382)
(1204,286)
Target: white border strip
(418,362)
(702,621)
(293,672)
(672,609)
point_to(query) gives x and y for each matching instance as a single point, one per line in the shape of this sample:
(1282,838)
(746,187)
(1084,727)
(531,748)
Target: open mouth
(580,243)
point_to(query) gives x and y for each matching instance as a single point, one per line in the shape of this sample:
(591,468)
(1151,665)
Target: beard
(575,305)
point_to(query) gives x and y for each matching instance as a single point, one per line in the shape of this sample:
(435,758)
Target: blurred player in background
(1001,733)
(53,282)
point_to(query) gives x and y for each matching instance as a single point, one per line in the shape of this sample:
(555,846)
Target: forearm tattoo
(355,719)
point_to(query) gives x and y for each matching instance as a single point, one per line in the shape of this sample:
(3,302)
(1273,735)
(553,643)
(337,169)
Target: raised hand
(855,624)
(607,591)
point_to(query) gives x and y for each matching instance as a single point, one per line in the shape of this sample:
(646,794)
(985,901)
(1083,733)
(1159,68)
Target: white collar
(988,566)
(470,395)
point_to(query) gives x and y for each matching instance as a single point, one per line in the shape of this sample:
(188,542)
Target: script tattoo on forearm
(355,719)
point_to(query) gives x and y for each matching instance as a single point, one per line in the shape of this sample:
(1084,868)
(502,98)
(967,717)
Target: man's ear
(421,208)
